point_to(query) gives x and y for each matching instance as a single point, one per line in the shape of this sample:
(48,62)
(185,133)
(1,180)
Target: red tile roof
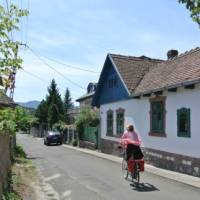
(182,69)
(132,69)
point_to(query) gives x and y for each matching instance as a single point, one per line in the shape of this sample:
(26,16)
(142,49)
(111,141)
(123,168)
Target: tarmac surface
(71,173)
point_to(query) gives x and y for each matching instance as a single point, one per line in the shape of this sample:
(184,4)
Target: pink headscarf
(130,137)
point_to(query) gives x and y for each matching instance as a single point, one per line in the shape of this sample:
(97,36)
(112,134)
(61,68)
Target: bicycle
(132,167)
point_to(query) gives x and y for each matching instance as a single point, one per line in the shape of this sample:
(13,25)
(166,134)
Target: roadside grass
(19,152)
(22,173)
(10,196)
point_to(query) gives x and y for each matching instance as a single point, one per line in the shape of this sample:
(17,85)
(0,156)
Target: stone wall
(162,159)
(89,145)
(5,160)
(175,162)
(110,147)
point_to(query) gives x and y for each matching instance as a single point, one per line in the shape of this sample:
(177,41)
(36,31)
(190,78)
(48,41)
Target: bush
(12,121)
(10,196)
(8,126)
(87,117)
(59,126)
(74,143)
(19,152)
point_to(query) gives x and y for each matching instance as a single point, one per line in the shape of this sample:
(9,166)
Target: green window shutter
(183,122)
(120,122)
(109,123)
(157,116)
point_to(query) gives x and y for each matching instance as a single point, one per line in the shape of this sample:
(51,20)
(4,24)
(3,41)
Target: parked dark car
(53,137)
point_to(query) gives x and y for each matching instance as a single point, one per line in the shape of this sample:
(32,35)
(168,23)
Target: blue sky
(82,32)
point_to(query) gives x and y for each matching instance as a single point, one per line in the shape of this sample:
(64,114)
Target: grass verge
(21,177)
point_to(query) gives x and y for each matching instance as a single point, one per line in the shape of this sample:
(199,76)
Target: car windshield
(53,133)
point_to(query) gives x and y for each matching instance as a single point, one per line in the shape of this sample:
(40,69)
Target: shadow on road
(34,158)
(144,187)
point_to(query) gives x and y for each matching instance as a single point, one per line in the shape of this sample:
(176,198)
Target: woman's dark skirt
(135,151)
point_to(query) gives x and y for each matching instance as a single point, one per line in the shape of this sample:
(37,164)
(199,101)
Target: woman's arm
(137,140)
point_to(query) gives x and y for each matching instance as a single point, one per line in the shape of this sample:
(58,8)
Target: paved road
(77,176)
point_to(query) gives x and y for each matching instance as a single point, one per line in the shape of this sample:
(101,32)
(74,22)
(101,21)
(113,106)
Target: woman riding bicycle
(131,141)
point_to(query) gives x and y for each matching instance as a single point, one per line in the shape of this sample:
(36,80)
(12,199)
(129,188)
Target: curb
(175,176)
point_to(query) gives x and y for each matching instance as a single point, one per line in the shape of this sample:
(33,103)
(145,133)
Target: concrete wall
(39,131)
(5,161)
(137,113)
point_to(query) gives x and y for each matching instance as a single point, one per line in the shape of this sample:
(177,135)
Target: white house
(161,99)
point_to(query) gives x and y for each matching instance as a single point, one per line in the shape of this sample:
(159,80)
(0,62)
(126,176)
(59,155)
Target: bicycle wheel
(137,174)
(137,179)
(124,169)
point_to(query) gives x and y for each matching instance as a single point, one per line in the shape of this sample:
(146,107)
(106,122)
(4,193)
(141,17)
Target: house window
(110,123)
(183,122)
(157,116)
(120,121)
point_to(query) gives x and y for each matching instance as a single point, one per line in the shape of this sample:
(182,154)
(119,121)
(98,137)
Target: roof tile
(132,69)
(181,69)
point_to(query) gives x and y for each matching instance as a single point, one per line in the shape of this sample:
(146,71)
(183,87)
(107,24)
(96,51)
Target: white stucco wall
(137,113)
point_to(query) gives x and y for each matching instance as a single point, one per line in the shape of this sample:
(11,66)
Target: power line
(67,65)
(27,22)
(32,74)
(70,66)
(47,64)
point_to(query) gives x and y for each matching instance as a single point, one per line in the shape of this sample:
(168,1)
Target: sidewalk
(182,178)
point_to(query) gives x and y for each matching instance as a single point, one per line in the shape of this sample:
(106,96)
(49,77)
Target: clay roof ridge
(135,57)
(183,54)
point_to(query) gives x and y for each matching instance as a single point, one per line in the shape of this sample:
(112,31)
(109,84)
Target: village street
(70,174)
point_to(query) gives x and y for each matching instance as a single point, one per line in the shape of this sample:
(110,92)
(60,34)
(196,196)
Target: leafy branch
(194,7)
(10,62)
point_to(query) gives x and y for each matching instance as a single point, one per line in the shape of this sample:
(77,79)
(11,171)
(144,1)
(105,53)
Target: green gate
(91,134)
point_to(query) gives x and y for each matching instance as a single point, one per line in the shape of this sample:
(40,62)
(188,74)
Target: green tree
(55,104)
(10,62)
(7,121)
(23,119)
(42,112)
(51,110)
(68,104)
(87,117)
(12,120)
(53,114)
(194,7)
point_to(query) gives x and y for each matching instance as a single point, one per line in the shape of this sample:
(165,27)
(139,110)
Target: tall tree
(194,7)
(67,105)
(51,110)
(42,112)
(54,104)
(10,62)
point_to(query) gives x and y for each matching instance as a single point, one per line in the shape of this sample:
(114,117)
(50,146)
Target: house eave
(113,63)
(178,85)
(85,97)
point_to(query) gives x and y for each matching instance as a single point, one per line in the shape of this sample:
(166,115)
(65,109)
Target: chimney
(171,54)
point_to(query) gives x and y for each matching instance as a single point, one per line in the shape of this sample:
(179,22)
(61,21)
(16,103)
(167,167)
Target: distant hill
(29,104)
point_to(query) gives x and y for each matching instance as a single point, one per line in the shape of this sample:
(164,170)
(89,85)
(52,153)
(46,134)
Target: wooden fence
(7,145)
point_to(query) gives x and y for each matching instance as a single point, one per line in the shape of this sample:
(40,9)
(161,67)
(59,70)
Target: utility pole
(13,73)
(12,76)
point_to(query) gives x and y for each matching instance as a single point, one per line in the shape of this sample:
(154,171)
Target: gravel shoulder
(26,180)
